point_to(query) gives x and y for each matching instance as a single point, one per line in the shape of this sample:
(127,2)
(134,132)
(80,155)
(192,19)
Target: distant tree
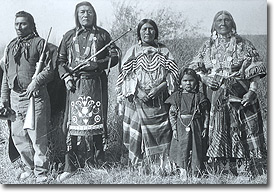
(126,17)
(171,24)
(175,30)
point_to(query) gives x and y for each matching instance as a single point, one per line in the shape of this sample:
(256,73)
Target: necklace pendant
(187,129)
(214,61)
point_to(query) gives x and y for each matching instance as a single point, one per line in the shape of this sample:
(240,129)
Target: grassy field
(116,170)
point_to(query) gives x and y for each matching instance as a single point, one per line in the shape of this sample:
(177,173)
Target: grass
(117,170)
(121,174)
(113,172)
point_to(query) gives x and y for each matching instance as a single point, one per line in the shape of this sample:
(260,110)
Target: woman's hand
(154,92)
(142,95)
(248,98)
(145,99)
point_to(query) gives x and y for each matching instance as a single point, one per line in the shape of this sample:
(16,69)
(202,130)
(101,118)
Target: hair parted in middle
(192,72)
(76,13)
(149,21)
(225,13)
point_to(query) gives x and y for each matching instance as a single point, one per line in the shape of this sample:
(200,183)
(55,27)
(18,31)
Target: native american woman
(231,67)
(148,75)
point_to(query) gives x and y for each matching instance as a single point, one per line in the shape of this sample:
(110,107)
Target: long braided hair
(30,20)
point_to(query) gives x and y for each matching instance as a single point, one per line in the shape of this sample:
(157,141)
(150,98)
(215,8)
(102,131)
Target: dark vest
(23,69)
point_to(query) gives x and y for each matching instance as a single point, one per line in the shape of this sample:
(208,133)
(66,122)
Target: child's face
(188,83)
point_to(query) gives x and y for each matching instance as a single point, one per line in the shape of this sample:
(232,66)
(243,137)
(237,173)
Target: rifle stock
(30,115)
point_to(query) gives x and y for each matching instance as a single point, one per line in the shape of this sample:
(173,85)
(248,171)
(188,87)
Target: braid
(35,31)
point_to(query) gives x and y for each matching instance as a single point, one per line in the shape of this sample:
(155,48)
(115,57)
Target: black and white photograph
(127,92)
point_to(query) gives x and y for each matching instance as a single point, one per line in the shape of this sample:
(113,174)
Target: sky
(249,15)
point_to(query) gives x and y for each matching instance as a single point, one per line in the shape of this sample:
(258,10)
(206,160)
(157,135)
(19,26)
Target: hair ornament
(233,31)
(214,35)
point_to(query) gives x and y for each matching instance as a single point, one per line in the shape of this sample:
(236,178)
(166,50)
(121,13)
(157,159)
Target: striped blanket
(235,131)
(146,130)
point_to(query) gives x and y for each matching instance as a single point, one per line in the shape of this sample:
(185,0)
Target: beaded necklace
(196,100)
(90,47)
(222,55)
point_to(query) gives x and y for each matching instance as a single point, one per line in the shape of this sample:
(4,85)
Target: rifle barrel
(44,48)
(103,48)
(91,57)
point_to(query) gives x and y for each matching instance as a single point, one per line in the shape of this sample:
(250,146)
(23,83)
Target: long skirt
(146,130)
(235,131)
(86,112)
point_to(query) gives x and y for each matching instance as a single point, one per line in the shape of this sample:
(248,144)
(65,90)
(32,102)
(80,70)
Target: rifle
(30,115)
(85,62)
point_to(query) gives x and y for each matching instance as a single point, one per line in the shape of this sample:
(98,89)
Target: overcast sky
(250,15)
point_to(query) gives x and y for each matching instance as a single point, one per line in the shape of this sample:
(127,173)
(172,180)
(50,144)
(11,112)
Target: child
(189,117)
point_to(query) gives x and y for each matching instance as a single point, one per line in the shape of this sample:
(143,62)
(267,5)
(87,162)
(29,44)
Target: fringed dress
(146,127)
(235,131)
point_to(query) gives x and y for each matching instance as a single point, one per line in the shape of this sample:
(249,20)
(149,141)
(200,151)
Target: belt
(190,116)
(89,75)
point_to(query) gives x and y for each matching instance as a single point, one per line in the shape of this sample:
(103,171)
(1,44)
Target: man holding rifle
(87,98)
(19,85)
